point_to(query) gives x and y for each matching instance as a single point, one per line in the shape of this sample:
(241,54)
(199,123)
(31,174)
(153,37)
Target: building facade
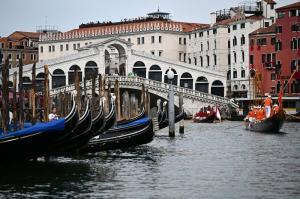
(20,45)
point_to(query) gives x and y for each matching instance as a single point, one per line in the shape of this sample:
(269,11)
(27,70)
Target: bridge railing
(153,85)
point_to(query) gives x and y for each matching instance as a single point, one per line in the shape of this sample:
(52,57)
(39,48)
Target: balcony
(269,65)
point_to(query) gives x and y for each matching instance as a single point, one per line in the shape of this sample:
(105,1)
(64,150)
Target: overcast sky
(26,15)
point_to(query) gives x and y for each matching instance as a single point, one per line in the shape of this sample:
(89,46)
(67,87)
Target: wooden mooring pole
(46,94)
(33,120)
(15,107)
(5,98)
(21,95)
(118,104)
(181,123)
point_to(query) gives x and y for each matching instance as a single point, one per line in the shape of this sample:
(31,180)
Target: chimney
(213,18)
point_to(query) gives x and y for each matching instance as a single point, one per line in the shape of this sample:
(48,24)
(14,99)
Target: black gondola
(110,118)
(165,122)
(269,125)
(137,133)
(38,139)
(79,136)
(139,116)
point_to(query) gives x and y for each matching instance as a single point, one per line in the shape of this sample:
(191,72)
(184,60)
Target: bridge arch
(186,80)
(139,69)
(115,58)
(217,88)
(175,80)
(58,78)
(71,74)
(90,70)
(201,84)
(155,73)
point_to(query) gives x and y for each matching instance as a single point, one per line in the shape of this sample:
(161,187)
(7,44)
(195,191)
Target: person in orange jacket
(268,104)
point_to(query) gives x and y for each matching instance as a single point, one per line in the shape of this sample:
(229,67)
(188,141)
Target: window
(251,59)
(67,47)
(184,57)
(195,61)
(228,43)
(189,36)
(208,45)
(273,40)
(31,57)
(143,40)
(138,40)
(159,53)
(9,56)
(201,46)
(278,46)
(234,27)
(215,59)
(262,41)
(207,59)
(243,40)
(201,61)
(179,58)
(280,15)
(179,40)
(41,49)
(78,45)
(229,59)
(2,45)
(252,42)
(272,6)
(129,40)
(74,46)
(207,33)
(152,39)
(200,34)
(235,74)
(61,47)
(18,56)
(49,48)
(267,24)
(190,61)
(23,56)
(293,13)
(273,76)
(294,44)
(215,44)
(243,56)
(228,30)
(294,28)
(234,56)
(243,73)
(234,41)
(195,35)
(85,43)
(159,39)
(242,25)
(278,29)
(214,31)
(152,52)
(184,41)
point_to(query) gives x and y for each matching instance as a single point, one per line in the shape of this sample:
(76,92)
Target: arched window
(139,69)
(186,80)
(91,69)
(155,73)
(229,75)
(58,78)
(207,60)
(234,74)
(195,61)
(235,87)
(201,61)
(234,41)
(190,61)
(71,74)
(217,88)
(243,40)
(201,84)
(243,87)
(243,73)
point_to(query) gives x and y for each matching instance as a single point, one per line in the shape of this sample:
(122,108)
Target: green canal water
(209,161)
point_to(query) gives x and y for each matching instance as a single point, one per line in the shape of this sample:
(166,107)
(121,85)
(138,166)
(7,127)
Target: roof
(290,6)
(270,1)
(186,26)
(18,35)
(268,30)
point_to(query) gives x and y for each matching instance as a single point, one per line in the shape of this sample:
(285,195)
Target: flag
(218,115)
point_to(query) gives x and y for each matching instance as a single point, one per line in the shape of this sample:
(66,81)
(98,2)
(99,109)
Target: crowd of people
(204,112)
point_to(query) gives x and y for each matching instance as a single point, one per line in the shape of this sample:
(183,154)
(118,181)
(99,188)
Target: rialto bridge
(115,57)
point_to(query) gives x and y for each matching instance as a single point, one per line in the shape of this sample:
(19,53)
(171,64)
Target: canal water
(219,160)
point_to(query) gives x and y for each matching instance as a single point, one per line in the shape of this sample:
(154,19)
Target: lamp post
(170,76)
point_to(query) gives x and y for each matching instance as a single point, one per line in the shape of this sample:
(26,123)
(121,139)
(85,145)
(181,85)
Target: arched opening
(39,81)
(235,87)
(155,73)
(115,59)
(229,75)
(58,78)
(26,83)
(186,80)
(90,70)
(71,74)
(122,70)
(175,80)
(243,87)
(139,69)
(201,84)
(217,88)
